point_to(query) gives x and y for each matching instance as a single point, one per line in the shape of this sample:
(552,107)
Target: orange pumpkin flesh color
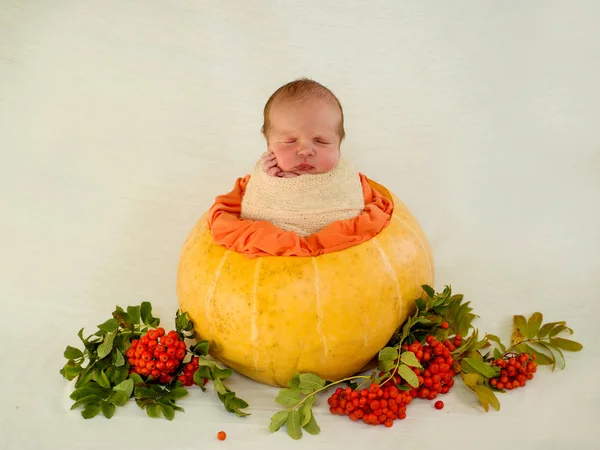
(271,316)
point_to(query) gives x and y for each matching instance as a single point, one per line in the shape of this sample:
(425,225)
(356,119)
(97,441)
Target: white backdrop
(121,120)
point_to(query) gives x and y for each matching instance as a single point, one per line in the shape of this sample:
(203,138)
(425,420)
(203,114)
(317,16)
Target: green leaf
(520,323)
(277,420)
(202,361)
(219,386)
(234,404)
(178,392)
(497,340)
(146,313)
(109,326)
(201,348)
(566,344)
(182,322)
(461,313)
(144,392)
(294,382)
(408,375)
(484,369)
(428,290)
(101,378)
(288,397)
(561,361)
(153,410)
(387,357)
(310,382)
(70,370)
(85,377)
(125,387)
(107,409)
(421,305)
(118,358)
(410,359)
(471,379)
(106,346)
(121,374)
(72,353)
(497,353)
(221,373)
(307,410)
(93,398)
(91,410)
(312,427)
(465,324)
(122,318)
(559,329)
(134,314)
(118,398)
(533,325)
(88,346)
(486,397)
(85,391)
(167,411)
(388,354)
(201,374)
(543,332)
(293,424)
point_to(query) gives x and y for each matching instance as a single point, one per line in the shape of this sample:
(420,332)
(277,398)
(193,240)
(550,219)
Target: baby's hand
(270,166)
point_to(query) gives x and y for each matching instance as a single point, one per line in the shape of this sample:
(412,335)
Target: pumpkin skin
(272,316)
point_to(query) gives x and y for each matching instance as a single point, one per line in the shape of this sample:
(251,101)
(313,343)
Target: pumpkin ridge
(211,290)
(419,241)
(319,310)
(254,321)
(390,269)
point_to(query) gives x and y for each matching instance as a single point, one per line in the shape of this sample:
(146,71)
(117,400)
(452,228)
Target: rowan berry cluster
(515,371)
(381,405)
(157,354)
(437,362)
(374,405)
(187,376)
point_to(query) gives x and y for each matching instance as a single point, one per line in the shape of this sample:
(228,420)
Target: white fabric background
(121,120)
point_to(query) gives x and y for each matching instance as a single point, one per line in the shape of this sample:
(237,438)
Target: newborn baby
(302,183)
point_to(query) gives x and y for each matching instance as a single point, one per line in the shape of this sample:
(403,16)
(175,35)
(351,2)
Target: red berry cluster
(187,376)
(515,371)
(375,405)
(157,354)
(381,405)
(437,374)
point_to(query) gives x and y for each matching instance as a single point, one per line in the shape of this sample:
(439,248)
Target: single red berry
(444,325)
(221,435)
(439,404)
(152,334)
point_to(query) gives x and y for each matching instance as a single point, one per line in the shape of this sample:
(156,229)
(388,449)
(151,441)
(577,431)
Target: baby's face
(304,135)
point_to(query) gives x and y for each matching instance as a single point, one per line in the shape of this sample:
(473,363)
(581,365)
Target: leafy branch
(108,381)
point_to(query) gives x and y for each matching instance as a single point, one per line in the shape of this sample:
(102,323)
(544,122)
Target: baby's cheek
(285,160)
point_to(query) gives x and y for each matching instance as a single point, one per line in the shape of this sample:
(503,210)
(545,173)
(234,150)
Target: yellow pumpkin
(271,316)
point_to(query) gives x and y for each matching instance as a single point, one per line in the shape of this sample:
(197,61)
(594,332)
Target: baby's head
(304,127)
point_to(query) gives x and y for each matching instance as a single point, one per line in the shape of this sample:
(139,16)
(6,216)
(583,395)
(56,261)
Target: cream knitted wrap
(306,203)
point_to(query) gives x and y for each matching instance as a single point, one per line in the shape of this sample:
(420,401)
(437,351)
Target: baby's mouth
(304,167)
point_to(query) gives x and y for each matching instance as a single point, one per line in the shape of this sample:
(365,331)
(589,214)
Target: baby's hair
(301,89)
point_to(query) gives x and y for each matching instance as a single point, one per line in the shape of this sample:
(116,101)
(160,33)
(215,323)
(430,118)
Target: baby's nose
(305,150)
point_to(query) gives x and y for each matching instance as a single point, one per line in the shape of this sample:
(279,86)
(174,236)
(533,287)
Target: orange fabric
(261,238)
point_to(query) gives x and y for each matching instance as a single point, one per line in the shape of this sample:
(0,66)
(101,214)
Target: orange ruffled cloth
(261,238)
